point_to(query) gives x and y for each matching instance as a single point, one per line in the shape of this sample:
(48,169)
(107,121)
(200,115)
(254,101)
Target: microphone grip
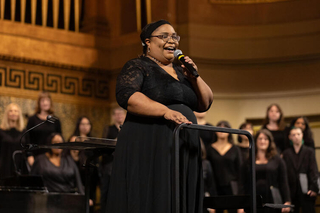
(188,66)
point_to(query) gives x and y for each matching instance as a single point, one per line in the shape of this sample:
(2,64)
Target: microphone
(50,119)
(179,55)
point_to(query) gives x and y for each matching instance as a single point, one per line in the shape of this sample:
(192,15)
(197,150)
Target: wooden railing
(68,9)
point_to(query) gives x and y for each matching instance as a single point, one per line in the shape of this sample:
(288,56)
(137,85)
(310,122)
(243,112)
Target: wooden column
(3,4)
(100,17)
(138,9)
(148,7)
(13,9)
(44,12)
(55,6)
(33,11)
(23,10)
(76,14)
(66,5)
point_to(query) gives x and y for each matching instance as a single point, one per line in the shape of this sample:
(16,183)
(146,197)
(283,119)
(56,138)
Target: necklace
(156,60)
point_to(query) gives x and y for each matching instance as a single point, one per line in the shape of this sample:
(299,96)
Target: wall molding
(52,64)
(245,1)
(64,85)
(262,42)
(254,61)
(280,94)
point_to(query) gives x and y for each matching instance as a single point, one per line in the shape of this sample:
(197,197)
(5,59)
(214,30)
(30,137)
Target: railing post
(176,181)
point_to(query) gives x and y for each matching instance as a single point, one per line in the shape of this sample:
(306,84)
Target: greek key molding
(91,87)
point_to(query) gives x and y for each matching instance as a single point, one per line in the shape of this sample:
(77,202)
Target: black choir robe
(303,162)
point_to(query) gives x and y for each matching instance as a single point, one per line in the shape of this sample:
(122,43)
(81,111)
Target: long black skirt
(141,180)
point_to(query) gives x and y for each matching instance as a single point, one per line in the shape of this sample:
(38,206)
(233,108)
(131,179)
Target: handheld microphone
(179,55)
(50,119)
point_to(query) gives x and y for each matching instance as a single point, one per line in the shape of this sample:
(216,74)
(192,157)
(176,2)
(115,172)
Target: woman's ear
(147,42)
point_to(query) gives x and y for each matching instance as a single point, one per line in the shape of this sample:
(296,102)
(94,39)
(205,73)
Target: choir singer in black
(302,172)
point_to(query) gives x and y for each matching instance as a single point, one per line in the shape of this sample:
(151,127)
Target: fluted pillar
(96,18)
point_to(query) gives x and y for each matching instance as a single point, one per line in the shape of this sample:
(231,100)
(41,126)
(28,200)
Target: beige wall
(236,110)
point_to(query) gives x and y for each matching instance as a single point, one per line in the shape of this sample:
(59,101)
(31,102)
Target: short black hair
(148,30)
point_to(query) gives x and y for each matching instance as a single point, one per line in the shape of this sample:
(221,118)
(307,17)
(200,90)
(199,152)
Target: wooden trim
(263,95)
(245,1)
(27,81)
(52,64)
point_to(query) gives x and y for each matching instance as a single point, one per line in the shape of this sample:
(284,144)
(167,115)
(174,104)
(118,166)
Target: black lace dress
(141,179)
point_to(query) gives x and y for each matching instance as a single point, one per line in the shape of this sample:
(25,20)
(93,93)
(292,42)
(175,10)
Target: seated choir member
(271,173)
(274,122)
(243,141)
(11,131)
(302,172)
(226,160)
(84,128)
(44,107)
(303,123)
(59,173)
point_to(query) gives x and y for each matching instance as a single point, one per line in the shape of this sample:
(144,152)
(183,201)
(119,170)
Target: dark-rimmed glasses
(166,37)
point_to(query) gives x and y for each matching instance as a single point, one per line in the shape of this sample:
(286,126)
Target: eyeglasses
(166,37)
